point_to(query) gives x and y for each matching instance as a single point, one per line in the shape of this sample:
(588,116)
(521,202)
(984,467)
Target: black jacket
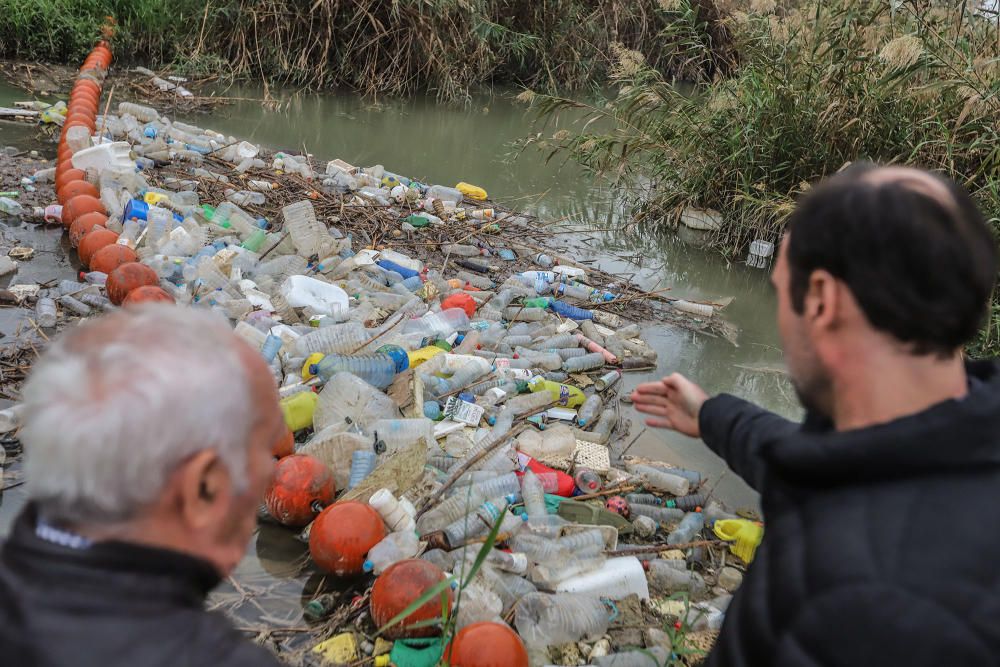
(881,545)
(112,604)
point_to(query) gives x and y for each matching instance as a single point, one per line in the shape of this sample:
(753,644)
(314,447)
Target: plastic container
(441,324)
(104,156)
(697,309)
(760,254)
(562,394)
(585,363)
(391,435)
(143,114)
(346,398)
(617,578)
(317,295)
(658,514)
(341,338)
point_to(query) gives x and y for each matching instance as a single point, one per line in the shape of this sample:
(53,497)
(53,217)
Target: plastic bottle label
(462,411)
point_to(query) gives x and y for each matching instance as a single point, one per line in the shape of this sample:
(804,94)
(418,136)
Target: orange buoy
(126,278)
(110,257)
(84,224)
(93,241)
(284,446)
(74,188)
(300,481)
(341,536)
(68,174)
(81,118)
(397,588)
(148,294)
(87,84)
(78,205)
(485,644)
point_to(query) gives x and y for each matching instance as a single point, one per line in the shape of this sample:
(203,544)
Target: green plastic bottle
(255,240)
(537,302)
(418,220)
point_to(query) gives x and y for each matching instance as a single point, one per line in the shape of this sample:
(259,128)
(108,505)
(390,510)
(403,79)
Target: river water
(436,144)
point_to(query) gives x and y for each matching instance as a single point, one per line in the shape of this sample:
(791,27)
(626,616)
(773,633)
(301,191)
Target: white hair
(115,405)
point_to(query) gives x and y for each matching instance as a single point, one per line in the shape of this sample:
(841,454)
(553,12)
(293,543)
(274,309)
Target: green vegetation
(440,46)
(818,85)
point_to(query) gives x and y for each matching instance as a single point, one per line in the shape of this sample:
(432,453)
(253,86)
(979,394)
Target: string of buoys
(80,208)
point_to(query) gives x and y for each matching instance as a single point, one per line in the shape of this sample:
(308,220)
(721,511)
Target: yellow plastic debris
(298,409)
(313,358)
(154,198)
(339,650)
(745,536)
(418,357)
(471,191)
(382,646)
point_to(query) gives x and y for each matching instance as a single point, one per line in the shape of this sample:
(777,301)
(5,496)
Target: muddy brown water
(438,144)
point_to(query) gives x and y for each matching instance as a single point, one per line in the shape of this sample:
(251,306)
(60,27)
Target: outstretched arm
(733,428)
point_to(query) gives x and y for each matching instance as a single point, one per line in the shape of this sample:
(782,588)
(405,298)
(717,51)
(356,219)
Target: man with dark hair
(879,545)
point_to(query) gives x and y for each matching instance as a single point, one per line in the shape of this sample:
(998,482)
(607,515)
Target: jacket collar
(111,567)
(950,436)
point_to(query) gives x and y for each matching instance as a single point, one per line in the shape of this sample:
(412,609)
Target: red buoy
(93,241)
(148,294)
(486,644)
(285,446)
(78,205)
(110,257)
(397,588)
(84,224)
(78,187)
(126,278)
(299,482)
(341,536)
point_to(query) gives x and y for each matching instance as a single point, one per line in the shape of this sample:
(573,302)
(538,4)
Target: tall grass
(401,47)
(819,84)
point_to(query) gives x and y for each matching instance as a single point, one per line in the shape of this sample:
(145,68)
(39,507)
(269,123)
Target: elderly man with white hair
(147,439)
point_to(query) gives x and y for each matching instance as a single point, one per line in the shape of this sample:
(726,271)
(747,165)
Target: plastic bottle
(697,309)
(143,114)
(590,409)
(562,394)
(586,362)
(476,523)
(503,485)
(45,312)
(690,526)
(340,338)
(393,548)
(659,480)
(395,434)
(671,577)
(441,324)
(96,301)
(568,311)
(362,464)
(70,303)
(542,619)
(377,369)
(392,511)
(543,260)
(654,656)
(534,496)
(613,578)
(528,403)
(658,514)
(587,480)
(10,207)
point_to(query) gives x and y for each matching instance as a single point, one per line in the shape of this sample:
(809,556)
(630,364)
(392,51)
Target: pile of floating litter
(450,391)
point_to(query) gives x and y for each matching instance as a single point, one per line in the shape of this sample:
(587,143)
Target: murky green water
(445,145)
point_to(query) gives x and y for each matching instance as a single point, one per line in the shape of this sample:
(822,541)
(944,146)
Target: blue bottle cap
(368,566)
(398,355)
(314,369)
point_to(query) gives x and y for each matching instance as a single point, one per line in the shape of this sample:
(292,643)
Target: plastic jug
(104,156)
(562,394)
(746,536)
(298,410)
(616,579)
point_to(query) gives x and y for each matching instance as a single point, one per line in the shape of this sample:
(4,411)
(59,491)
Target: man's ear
(822,300)
(203,481)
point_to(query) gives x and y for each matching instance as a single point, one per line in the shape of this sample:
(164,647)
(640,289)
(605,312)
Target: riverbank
(377,48)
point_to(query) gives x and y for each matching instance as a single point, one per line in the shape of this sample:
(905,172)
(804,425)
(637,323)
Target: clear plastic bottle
(396,434)
(542,619)
(393,548)
(690,526)
(45,312)
(307,234)
(497,485)
(72,304)
(403,260)
(540,549)
(589,538)
(527,403)
(476,523)
(141,113)
(534,496)
(347,397)
(338,338)
(462,250)
(605,425)
(659,480)
(586,362)
(363,462)
(654,656)
(96,301)
(658,514)
(671,577)
(590,409)
(377,369)
(441,324)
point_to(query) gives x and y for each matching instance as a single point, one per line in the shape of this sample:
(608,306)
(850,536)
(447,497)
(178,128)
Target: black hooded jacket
(881,545)
(111,604)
